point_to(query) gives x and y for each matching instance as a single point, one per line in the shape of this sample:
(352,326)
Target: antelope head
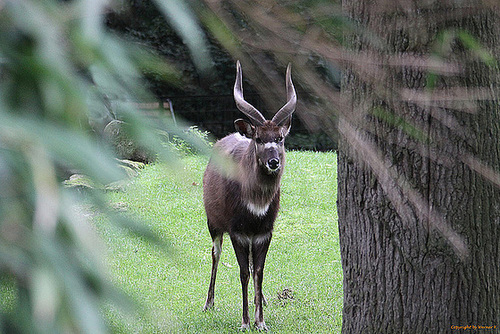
(267,136)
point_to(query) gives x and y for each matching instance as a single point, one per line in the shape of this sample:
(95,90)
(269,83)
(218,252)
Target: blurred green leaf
(61,75)
(220,31)
(183,20)
(399,122)
(65,146)
(475,46)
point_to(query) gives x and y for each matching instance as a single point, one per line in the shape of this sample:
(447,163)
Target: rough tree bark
(404,270)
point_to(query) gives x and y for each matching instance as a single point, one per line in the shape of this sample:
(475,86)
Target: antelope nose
(273,163)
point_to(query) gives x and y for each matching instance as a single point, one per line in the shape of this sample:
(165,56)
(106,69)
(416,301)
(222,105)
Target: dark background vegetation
(206,100)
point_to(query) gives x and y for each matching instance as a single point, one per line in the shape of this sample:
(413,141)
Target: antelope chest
(254,219)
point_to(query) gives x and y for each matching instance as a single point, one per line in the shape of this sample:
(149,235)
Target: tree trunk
(419,210)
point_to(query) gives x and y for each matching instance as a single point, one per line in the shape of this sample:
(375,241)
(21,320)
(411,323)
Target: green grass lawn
(303,274)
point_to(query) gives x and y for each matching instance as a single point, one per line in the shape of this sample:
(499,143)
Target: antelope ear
(244,128)
(286,125)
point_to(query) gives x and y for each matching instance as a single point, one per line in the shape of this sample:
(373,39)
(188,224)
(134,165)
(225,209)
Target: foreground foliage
(60,69)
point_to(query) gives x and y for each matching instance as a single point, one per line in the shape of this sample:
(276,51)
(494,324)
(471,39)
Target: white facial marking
(270,145)
(258,210)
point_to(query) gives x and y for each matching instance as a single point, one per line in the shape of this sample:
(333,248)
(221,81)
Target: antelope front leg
(259,252)
(242,250)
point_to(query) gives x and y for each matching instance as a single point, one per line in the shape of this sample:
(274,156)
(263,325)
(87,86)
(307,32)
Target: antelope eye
(279,139)
(258,140)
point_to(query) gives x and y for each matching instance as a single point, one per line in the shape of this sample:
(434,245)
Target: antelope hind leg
(216,250)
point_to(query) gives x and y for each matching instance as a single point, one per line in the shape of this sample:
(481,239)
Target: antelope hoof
(261,326)
(244,327)
(208,306)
